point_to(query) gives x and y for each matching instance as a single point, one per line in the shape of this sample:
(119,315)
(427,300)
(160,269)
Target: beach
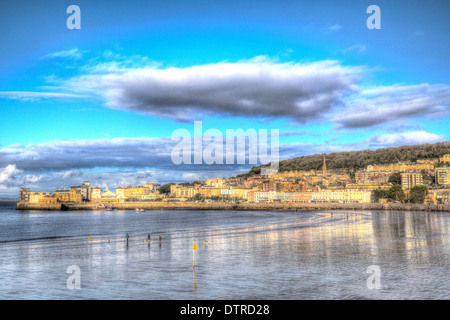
(271,255)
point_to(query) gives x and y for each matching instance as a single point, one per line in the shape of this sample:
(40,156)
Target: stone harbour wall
(242,206)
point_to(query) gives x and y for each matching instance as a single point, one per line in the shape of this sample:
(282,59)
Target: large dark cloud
(77,154)
(120,153)
(256,88)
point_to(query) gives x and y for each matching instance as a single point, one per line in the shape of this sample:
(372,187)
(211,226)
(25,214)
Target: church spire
(324,169)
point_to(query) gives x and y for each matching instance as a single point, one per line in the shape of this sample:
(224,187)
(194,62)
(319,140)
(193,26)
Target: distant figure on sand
(127,236)
(148,237)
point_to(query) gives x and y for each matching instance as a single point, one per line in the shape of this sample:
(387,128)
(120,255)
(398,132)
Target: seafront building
(182,192)
(107,196)
(342,196)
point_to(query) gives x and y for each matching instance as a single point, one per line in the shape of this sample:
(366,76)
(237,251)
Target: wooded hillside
(361,159)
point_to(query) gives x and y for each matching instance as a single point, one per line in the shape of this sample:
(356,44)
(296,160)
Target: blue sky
(142,69)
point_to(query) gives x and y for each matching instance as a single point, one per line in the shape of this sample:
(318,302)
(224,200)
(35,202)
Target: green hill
(361,159)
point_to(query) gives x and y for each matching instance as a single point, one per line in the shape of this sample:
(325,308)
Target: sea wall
(38,206)
(245,206)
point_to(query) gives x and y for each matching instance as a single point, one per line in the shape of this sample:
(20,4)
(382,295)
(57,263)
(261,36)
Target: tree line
(356,160)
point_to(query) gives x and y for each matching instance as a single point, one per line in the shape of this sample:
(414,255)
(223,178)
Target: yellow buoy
(194,247)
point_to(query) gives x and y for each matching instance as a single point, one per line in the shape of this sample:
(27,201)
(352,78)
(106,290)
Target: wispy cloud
(405,138)
(37,95)
(335,27)
(74,53)
(357,48)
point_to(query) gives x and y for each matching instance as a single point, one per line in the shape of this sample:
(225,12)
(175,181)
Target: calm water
(248,255)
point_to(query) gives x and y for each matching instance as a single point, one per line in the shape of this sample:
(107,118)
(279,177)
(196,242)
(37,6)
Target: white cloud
(357,48)
(405,138)
(29,178)
(74,53)
(8,173)
(36,96)
(71,173)
(12,178)
(335,27)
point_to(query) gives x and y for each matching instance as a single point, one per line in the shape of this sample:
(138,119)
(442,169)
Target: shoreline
(241,207)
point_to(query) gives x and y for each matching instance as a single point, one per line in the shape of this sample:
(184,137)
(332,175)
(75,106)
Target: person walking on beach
(127,236)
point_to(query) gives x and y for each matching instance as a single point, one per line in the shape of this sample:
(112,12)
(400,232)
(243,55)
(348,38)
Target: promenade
(242,206)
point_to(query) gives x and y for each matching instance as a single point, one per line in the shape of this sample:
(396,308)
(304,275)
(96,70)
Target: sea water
(240,254)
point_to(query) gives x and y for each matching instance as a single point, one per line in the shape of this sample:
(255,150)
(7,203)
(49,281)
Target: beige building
(272,196)
(105,197)
(215,182)
(374,177)
(445,158)
(35,197)
(209,191)
(441,195)
(367,186)
(70,195)
(442,175)
(411,179)
(152,196)
(120,192)
(182,192)
(137,192)
(343,196)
